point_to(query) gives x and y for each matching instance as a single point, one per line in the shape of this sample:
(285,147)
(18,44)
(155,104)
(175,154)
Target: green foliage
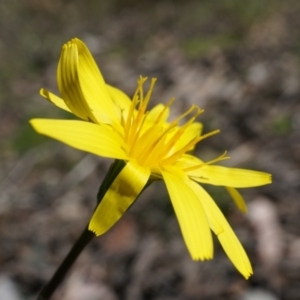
(282,124)
(221,24)
(200,46)
(27,138)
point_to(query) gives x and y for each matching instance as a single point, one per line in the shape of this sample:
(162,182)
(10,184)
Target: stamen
(202,137)
(145,102)
(130,116)
(163,111)
(193,107)
(179,133)
(162,137)
(153,153)
(141,92)
(172,158)
(133,105)
(220,158)
(141,112)
(147,143)
(158,144)
(136,136)
(176,136)
(174,123)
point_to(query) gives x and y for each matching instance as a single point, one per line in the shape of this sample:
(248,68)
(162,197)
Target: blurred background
(239,60)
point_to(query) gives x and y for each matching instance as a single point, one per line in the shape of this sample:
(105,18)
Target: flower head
(117,127)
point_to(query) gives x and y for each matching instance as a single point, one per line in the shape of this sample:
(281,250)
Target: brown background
(239,60)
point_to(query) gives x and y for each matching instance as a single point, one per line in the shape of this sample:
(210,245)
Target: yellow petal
(121,100)
(239,178)
(119,197)
(82,85)
(122,103)
(238,199)
(225,234)
(155,112)
(68,82)
(187,161)
(96,139)
(190,214)
(93,87)
(190,133)
(54,99)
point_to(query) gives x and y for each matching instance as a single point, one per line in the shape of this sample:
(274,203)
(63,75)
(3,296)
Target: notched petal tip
(190,214)
(202,258)
(93,230)
(224,232)
(76,41)
(269,177)
(247,275)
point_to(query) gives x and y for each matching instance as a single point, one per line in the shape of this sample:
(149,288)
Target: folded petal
(239,178)
(93,86)
(68,82)
(97,139)
(225,234)
(54,99)
(82,85)
(237,198)
(119,197)
(190,214)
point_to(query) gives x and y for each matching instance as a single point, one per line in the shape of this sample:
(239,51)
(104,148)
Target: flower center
(151,140)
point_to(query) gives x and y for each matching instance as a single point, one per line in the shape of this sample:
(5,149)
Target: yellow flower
(115,126)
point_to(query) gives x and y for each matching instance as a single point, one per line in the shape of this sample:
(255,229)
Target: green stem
(114,170)
(62,270)
(83,240)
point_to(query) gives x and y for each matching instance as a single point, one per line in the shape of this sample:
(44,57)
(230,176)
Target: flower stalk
(49,289)
(83,239)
